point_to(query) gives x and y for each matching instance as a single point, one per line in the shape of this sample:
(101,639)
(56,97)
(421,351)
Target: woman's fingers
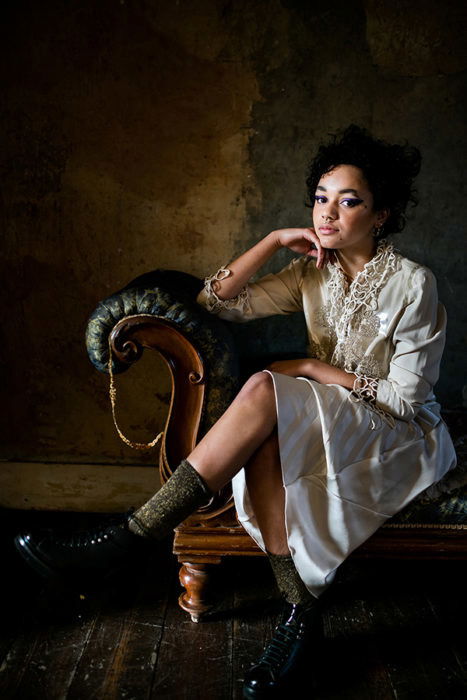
(318,251)
(306,242)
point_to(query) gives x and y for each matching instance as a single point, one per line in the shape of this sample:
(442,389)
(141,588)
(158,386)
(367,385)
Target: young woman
(324,449)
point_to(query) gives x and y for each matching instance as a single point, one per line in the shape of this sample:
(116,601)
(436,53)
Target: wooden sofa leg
(195,577)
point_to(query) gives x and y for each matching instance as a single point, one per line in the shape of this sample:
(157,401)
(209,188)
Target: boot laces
(85,538)
(278,649)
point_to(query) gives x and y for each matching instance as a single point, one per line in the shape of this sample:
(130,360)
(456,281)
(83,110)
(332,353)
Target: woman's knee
(257,388)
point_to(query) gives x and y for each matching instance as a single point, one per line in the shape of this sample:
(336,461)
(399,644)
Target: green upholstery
(171,295)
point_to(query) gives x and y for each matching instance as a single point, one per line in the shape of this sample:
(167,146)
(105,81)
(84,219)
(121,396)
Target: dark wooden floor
(391,631)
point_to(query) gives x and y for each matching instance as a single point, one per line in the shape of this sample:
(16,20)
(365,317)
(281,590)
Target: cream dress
(350,459)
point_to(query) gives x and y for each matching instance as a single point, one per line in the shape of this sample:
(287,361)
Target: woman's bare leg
(241,430)
(222,452)
(246,435)
(267,495)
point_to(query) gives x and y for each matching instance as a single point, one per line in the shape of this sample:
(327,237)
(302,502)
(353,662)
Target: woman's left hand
(315,369)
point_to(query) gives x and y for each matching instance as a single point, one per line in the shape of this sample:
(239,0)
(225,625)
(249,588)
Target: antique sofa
(208,359)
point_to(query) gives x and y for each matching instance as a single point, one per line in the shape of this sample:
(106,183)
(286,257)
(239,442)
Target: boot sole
(250,694)
(280,691)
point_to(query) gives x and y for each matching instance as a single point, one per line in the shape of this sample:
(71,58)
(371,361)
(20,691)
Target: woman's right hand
(303,241)
(300,240)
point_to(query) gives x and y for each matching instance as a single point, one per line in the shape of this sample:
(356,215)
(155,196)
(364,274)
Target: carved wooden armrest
(158,311)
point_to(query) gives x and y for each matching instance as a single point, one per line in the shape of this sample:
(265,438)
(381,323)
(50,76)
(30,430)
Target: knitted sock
(288,580)
(178,498)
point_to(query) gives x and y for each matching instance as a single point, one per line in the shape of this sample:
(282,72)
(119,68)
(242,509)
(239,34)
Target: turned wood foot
(197,599)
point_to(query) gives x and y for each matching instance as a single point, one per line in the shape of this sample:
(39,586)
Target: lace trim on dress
(213,303)
(350,305)
(362,292)
(365,388)
(364,391)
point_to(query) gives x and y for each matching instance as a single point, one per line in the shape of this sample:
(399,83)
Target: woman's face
(343,214)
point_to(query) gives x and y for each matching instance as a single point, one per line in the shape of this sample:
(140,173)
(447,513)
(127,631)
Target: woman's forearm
(314,369)
(328,374)
(300,240)
(245,266)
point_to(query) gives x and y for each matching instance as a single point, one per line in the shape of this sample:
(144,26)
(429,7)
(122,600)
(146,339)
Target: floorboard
(256,608)
(195,659)
(393,631)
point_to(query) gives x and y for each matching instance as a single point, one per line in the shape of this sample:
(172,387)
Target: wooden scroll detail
(129,337)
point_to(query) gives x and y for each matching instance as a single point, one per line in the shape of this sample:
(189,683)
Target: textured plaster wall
(144,134)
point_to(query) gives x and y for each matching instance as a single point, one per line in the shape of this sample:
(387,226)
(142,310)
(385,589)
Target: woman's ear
(382,216)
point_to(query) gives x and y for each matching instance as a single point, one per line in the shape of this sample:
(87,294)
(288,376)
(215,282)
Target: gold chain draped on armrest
(113,402)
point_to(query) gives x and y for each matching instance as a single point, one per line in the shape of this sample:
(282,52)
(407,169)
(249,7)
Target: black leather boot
(278,668)
(89,557)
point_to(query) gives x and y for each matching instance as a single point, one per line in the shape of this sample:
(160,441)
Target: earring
(378,231)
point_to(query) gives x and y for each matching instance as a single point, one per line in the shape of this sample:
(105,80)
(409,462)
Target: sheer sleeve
(279,293)
(418,339)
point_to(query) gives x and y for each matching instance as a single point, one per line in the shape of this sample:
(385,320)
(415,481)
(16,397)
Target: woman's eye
(320,199)
(351,202)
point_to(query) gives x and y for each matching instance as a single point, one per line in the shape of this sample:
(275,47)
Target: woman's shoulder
(414,273)
(413,283)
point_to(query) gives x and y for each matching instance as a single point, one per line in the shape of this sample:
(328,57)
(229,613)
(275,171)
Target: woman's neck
(353,261)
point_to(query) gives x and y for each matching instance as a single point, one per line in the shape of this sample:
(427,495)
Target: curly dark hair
(389,170)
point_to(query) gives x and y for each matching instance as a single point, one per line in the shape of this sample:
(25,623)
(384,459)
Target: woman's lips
(327,229)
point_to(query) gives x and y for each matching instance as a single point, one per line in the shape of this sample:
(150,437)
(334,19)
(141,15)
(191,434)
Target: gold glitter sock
(178,498)
(288,580)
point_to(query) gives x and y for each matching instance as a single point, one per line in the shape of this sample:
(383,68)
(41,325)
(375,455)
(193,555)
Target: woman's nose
(329,213)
